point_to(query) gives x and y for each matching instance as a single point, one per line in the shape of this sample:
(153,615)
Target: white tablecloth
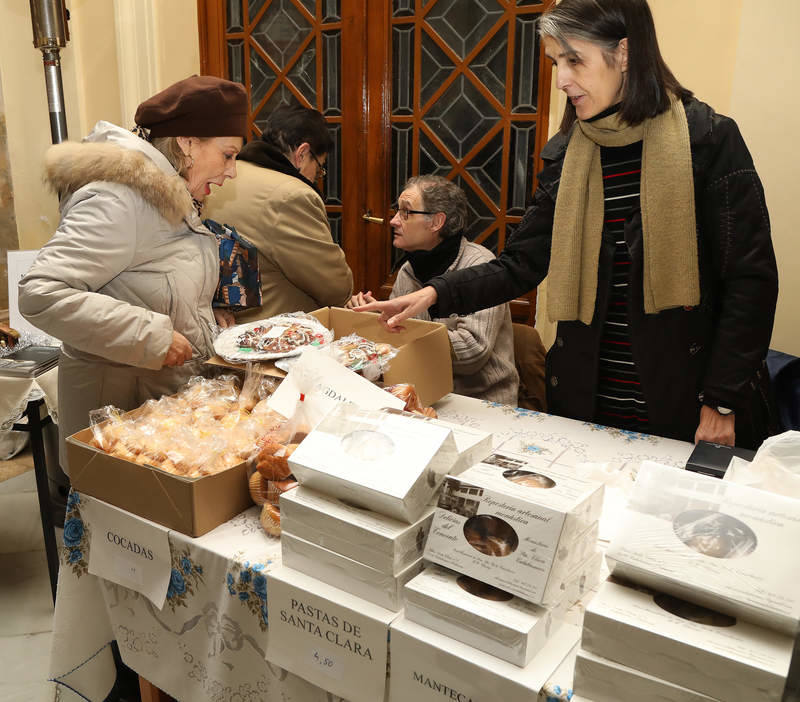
(208,641)
(15,393)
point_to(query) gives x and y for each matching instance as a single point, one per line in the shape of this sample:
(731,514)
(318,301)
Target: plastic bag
(361,355)
(775,467)
(408,393)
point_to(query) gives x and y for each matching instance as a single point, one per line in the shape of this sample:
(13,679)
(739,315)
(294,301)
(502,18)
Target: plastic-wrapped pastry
(259,488)
(275,488)
(271,519)
(408,394)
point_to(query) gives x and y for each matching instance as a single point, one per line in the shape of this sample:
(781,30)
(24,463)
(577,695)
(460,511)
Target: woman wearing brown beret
(126,281)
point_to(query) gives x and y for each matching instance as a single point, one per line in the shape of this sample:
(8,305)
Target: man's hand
(395,312)
(224,318)
(360,299)
(179,352)
(716,427)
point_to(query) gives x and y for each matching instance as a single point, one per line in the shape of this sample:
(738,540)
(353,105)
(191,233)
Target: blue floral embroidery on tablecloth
(247,582)
(515,411)
(75,552)
(533,448)
(626,434)
(184,579)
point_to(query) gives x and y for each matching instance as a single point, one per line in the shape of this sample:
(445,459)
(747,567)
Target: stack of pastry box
(512,545)
(352,535)
(704,599)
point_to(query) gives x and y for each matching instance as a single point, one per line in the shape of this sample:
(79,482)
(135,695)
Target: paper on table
(19,262)
(129,550)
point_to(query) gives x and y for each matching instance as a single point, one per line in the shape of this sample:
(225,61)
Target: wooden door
(453,87)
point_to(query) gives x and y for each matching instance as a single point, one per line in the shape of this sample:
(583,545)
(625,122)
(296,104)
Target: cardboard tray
(192,506)
(423,358)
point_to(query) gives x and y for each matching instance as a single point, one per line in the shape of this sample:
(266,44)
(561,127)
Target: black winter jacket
(713,353)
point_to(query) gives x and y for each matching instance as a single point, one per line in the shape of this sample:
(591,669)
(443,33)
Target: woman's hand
(395,312)
(360,299)
(224,318)
(716,427)
(179,351)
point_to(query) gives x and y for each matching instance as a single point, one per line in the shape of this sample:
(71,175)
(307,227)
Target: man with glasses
(428,225)
(276,205)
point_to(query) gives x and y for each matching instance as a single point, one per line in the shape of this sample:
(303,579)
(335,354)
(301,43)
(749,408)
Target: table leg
(150,693)
(35,425)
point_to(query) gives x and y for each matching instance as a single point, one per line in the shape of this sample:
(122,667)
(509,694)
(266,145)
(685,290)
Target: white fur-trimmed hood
(114,155)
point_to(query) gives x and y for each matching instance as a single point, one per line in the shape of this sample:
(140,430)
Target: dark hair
(442,195)
(648,79)
(291,125)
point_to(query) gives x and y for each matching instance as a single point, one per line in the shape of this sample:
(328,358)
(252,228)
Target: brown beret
(201,106)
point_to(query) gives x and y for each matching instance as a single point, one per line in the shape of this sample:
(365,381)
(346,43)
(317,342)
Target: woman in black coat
(650,222)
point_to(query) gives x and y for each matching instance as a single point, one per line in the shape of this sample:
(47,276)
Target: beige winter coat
(302,268)
(129,263)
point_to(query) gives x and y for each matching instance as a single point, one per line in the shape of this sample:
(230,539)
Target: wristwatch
(724,411)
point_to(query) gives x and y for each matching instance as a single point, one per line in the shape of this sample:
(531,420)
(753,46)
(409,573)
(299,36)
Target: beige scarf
(671,275)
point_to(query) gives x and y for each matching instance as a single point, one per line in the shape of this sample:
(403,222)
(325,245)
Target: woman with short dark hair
(650,223)
(274,204)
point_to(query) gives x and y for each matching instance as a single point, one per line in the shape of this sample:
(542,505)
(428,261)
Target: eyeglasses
(404,212)
(321,170)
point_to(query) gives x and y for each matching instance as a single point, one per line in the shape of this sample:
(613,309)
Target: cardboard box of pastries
(423,357)
(327,636)
(686,644)
(178,461)
(380,588)
(430,667)
(512,524)
(373,539)
(389,463)
(712,542)
(601,680)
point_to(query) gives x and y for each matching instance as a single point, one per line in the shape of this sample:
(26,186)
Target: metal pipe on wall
(50,31)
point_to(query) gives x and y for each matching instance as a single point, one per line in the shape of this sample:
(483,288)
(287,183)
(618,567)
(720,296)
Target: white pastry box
(688,645)
(712,542)
(362,535)
(480,615)
(370,584)
(389,463)
(514,528)
(430,667)
(327,636)
(600,680)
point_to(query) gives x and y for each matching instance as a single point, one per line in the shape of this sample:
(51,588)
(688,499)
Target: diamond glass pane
(262,78)
(490,242)
(526,65)
(281,96)
(479,216)
(490,64)
(331,70)
(335,220)
(435,67)
(331,184)
(403,8)
(461,116)
(280,31)
(311,6)
(304,74)
(463,23)
(520,177)
(487,167)
(331,11)
(253,6)
(236,60)
(234,15)
(402,69)
(431,160)
(402,136)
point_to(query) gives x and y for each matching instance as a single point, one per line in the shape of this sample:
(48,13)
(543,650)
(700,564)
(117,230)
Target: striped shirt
(620,402)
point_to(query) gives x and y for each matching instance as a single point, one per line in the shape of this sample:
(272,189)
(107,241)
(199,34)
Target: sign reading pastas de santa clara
(327,636)
(128,550)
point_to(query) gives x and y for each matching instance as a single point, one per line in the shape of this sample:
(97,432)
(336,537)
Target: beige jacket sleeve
(304,250)
(95,241)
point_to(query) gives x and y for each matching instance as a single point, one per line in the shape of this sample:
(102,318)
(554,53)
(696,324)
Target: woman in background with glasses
(428,225)
(277,207)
